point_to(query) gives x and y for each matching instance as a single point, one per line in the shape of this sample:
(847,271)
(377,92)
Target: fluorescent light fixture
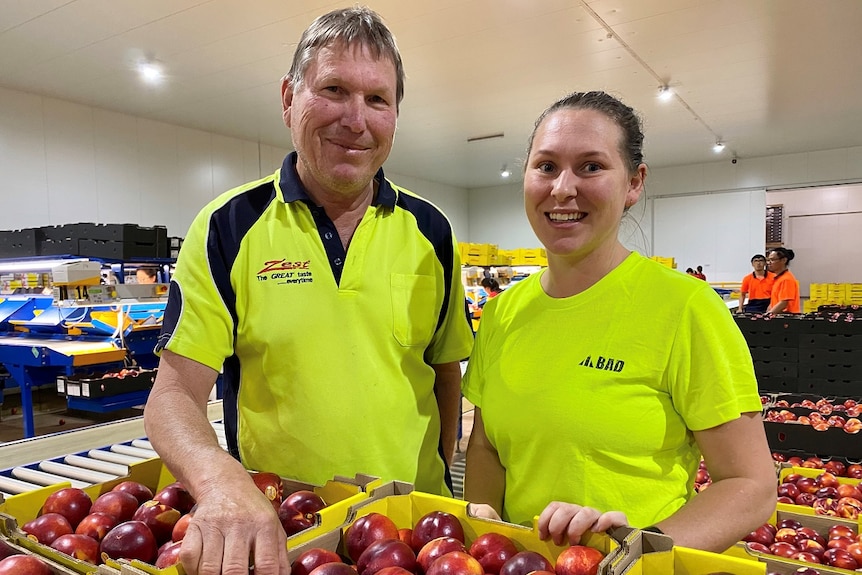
(665,93)
(35,265)
(718,147)
(505,173)
(150,72)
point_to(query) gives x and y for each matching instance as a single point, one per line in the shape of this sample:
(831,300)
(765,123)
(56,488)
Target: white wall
(823,228)
(62,162)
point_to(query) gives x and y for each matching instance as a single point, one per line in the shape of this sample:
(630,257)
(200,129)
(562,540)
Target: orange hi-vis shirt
(786,287)
(758,288)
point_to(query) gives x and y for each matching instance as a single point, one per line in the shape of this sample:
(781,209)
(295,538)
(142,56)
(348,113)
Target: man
(332,301)
(757,286)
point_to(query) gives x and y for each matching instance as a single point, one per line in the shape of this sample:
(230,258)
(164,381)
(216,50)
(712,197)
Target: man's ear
(286,99)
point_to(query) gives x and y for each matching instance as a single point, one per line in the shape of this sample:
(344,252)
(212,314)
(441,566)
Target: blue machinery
(40,341)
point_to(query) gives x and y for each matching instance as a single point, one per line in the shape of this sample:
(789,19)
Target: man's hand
(561,521)
(234,527)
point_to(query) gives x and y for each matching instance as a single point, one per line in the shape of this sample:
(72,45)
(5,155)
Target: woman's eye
(546,167)
(592,167)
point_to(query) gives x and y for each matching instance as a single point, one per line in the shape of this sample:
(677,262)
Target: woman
(594,380)
(785,288)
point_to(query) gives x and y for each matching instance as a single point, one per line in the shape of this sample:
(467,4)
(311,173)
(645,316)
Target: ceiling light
(665,93)
(505,173)
(151,72)
(718,147)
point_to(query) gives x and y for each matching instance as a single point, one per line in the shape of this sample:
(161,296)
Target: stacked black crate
(774,345)
(830,357)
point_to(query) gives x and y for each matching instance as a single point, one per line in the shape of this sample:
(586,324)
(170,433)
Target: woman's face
(776,263)
(577,184)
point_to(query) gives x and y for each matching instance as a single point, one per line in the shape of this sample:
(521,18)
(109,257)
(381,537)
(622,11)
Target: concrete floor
(50,414)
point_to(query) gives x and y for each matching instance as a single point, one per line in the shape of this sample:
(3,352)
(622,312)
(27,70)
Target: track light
(505,173)
(665,93)
(718,147)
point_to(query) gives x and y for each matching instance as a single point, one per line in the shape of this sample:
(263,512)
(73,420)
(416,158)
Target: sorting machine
(84,327)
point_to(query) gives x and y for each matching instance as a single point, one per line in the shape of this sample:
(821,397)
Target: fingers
(609,520)
(483,510)
(270,552)
(566,521)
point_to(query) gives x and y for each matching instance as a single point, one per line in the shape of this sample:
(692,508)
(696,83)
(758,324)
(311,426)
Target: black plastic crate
(59,247)
(777,384)
(115,250)
(22,243)
(831,387)
(100,386)
(837,341)
(775,368)
(832,442)
(816,355)
(769,353)
(830,371)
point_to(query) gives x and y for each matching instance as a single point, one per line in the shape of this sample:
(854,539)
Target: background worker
(146,275)
(784,297)
(331,298)
(756,286)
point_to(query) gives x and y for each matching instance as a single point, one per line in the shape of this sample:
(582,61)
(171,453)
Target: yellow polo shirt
(326,354)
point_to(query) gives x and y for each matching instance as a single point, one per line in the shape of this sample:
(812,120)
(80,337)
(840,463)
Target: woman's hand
(561,521)
(483,510)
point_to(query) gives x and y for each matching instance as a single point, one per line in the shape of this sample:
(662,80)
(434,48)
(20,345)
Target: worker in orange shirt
(785,288)
(757,286)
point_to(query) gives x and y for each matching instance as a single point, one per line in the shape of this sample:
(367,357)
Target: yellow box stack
(531,257)
(668,262)
(480,254)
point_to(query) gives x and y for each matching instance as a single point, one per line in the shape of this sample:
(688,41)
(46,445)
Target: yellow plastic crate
(405,507)
(684,561)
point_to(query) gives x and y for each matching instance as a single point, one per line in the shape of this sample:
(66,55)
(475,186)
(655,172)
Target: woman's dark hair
(631,146)
(783,253)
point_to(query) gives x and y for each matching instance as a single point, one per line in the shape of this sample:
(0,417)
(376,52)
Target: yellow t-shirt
(590,399)
(327,354)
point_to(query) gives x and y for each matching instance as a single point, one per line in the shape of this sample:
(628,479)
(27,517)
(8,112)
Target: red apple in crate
(334,569)
(782,549)
(757,547)
(299,510)
(526,562)
(492,550)
(119,504)
(270,485)
(386,553)
(23,565)
(181,526)
(160,518)
(139,490)
(405,535)
(394,571)
(433,525)
(578,560)
(436,548)
(70,502)
(806,557)
(455,563)
(130,540)
(177,496)
(841,558)
(169,554)
(762,535)
(314,557)
(96,525)
(78,546)
(366,530)
(48,527)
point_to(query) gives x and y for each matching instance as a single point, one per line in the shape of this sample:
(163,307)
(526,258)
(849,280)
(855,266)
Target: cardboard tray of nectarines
(786,470)
(684,561)
(820,523)
(405,507)
(340,493)
(9,548)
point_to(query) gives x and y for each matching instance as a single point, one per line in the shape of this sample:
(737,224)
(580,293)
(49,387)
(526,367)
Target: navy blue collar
(293,190)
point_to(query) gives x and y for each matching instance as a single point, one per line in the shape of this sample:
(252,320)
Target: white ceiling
(766,76)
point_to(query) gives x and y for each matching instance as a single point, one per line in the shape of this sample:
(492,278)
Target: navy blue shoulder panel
(229,224)
(437,229)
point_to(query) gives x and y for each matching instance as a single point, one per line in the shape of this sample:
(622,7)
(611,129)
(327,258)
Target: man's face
(342,119)
(759,264)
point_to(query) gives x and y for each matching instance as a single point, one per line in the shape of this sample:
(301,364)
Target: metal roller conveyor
(97,465)
(143,444)
(43,479)
(112,457)
(130,450)
(73,472)
(15,486)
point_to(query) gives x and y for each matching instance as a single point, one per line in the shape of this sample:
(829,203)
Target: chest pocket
(414,312)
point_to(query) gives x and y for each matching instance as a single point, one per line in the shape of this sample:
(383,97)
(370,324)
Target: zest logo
(281,265)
